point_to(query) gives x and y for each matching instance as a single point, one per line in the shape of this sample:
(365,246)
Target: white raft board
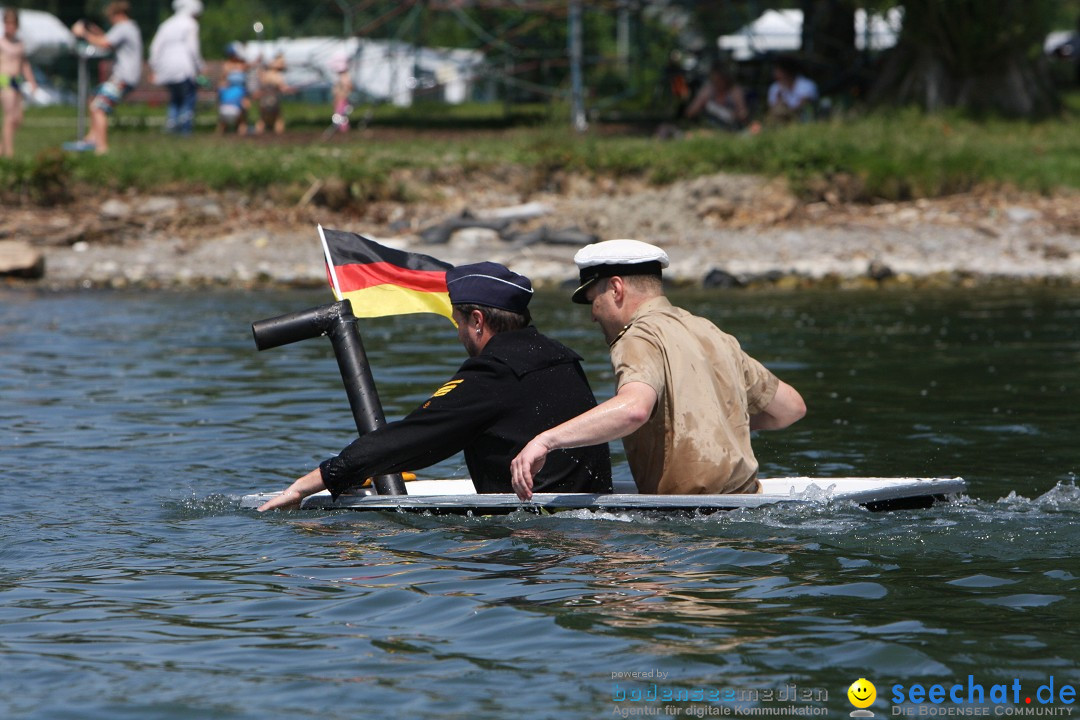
(458,496)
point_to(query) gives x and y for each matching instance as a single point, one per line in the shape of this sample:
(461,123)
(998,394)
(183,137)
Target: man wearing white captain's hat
(688,396)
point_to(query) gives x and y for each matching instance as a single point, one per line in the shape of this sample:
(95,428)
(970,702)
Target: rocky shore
(721,230)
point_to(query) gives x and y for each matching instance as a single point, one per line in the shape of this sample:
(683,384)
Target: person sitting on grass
(792,95)
(720,102)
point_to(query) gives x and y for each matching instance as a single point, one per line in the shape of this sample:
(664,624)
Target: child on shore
(124,41)
(343,88)
(271,89)
(233,102)
(13,64)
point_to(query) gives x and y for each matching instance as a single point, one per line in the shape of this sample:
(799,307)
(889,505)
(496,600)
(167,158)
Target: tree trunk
(958,54)
(828,42)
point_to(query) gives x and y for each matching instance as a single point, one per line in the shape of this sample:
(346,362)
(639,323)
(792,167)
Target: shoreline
(720,231)
(774,281)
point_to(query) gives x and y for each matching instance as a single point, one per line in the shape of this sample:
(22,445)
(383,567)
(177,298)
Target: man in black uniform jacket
(515,384)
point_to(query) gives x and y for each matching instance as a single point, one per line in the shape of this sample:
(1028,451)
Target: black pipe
(338,323)
(284,329)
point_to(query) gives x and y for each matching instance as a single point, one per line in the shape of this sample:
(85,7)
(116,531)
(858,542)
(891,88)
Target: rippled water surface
(132,586)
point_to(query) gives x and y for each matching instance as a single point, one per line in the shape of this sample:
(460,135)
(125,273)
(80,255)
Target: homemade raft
(390,492)
(458,496)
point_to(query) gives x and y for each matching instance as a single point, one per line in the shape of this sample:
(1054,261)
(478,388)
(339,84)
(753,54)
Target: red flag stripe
(357,277)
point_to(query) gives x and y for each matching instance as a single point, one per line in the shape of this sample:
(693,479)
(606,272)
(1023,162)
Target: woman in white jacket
(176,62)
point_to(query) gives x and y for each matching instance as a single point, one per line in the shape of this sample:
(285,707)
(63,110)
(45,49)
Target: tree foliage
(526,46)
(234,20)
(960,53)
(974,54)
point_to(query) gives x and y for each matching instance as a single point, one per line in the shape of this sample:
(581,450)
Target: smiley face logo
(862,693)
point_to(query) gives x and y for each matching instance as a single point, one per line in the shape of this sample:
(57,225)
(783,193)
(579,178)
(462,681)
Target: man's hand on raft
(295,493)
(524,467)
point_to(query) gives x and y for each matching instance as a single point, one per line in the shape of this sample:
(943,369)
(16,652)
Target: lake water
(132,586)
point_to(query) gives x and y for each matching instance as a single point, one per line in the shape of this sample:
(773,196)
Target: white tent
(778,31)
(45,37)
(381,69)
(1059,40)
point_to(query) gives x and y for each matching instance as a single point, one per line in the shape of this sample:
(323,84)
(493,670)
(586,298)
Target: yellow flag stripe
(383,300)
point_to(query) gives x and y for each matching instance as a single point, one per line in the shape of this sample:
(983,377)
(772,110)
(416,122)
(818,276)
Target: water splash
(198,507)
(814,494)
(1063,497)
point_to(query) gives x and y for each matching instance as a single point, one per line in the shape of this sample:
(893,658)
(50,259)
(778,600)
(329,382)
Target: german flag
(383,281)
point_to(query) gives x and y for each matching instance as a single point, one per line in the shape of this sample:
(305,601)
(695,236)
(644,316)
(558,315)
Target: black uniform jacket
(521,384)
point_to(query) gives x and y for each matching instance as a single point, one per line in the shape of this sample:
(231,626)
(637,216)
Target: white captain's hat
(616,257)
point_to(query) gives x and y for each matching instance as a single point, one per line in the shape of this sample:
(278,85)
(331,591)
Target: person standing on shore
(272,88)
(176,62)
(688,396)
(125,42)
(342,93)
(233,94)
(13,64)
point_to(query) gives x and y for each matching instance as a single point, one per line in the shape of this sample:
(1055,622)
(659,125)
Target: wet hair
(119,7)
(11,13)
(497,319)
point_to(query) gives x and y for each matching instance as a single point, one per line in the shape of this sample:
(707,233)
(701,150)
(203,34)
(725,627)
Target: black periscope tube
(336,321)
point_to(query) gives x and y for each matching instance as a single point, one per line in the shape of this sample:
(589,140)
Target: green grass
(892,156)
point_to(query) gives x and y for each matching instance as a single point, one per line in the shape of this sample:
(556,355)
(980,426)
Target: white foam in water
(813,493)
(1063,496)
(213,504)
(584,514)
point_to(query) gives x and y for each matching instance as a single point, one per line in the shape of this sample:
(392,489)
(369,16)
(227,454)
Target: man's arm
(92,34)
(742,112)
(307,485)
(440,427)
(786,407)
(699,100)
(612,419)
(411,443)
(807,92)
(194,46)
(28,74)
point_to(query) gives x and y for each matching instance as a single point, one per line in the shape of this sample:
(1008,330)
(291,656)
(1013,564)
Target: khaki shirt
(698,438)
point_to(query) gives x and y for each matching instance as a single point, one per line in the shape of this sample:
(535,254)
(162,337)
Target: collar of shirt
(660,302)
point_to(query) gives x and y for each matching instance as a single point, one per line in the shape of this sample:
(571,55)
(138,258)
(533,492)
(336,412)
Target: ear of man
(617,286)
(476,321)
